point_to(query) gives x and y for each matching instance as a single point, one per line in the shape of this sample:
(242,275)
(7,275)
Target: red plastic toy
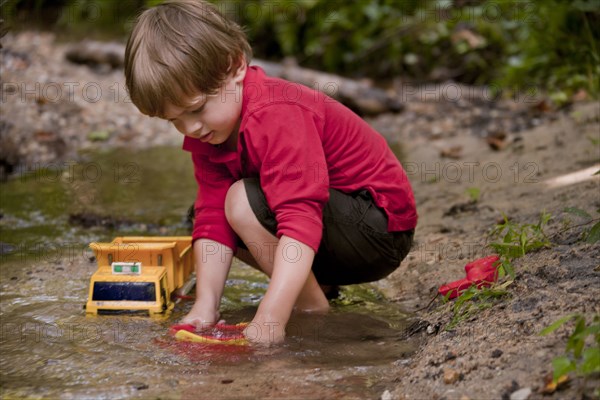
(218,334)
(482,272)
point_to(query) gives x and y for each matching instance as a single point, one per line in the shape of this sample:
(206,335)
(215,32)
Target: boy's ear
(240,72)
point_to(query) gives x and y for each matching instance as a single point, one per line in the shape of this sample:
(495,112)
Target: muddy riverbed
(470,161)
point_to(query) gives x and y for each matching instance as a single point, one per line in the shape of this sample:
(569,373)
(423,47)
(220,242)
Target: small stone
(433,329)
(450,376)
(386,395)
(521,394)
(139,385)
(496,353)
(450,356)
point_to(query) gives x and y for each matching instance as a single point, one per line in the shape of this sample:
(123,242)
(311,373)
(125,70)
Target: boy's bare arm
(292,266)
(213,261)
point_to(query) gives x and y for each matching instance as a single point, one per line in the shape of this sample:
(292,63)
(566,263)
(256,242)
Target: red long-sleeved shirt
(300,143)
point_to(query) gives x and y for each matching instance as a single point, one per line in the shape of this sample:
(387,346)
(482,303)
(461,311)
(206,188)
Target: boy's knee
(235,202)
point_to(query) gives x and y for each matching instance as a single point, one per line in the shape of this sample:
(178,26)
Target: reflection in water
(61,208)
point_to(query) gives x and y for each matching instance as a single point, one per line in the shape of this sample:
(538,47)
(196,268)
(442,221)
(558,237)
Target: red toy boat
(218,334)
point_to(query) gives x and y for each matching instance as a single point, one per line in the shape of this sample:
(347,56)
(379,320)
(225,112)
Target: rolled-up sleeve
(213,181)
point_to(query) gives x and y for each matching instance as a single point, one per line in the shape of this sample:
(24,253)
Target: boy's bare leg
(247,257)
(262,244)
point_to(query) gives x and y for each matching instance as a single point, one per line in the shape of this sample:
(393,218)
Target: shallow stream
(50,349)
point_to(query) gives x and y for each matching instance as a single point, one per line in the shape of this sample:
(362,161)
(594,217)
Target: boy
(309,189)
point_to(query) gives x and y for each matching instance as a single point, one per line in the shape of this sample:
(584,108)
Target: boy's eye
(198,110)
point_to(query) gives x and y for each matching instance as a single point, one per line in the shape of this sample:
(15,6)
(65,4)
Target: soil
(498,350)
(452,145)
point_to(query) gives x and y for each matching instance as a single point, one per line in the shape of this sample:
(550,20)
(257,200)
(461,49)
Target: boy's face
(211,118)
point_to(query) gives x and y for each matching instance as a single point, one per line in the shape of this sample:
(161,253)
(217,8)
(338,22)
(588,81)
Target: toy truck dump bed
(140,274)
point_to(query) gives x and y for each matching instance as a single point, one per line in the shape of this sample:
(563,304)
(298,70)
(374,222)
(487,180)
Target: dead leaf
(497,141)
(45,136)
(550,386)
(454,152)
(542,106)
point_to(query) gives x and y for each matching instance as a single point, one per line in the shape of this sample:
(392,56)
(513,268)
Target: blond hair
(180,48)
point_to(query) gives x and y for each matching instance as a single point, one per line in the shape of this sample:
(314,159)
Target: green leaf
(562,365)
(504,286)
(589,330)
(575,343)
(579,212)
(544,218)
(591,361)
(594,234)
(557,324)
(474,193)
(523,241)
(98,136)
(586,6)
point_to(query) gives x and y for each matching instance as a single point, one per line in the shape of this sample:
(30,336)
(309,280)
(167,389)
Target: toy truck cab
(139,274)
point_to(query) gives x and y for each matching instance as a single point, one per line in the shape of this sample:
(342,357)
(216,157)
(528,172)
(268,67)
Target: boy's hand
(201,318)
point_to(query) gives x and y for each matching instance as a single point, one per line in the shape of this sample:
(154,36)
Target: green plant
(592,235)
(473,300)
(474,194)
(582,353)
(556,49)
(518,240)
(516,47)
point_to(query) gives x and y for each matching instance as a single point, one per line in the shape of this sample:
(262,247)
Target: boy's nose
(191,126)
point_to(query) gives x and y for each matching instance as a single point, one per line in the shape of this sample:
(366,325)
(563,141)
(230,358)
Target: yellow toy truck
(140,274)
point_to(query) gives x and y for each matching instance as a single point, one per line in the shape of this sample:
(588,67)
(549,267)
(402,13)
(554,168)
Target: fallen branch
(360,96)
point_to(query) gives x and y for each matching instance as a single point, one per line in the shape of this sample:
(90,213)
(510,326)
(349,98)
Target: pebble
(496,353)
(139,385)
(450,356)
(450,376)
(386,395)
(521,394)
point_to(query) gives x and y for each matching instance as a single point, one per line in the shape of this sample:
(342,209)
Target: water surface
(51,349)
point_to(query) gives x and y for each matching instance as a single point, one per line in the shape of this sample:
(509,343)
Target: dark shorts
(356,246)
